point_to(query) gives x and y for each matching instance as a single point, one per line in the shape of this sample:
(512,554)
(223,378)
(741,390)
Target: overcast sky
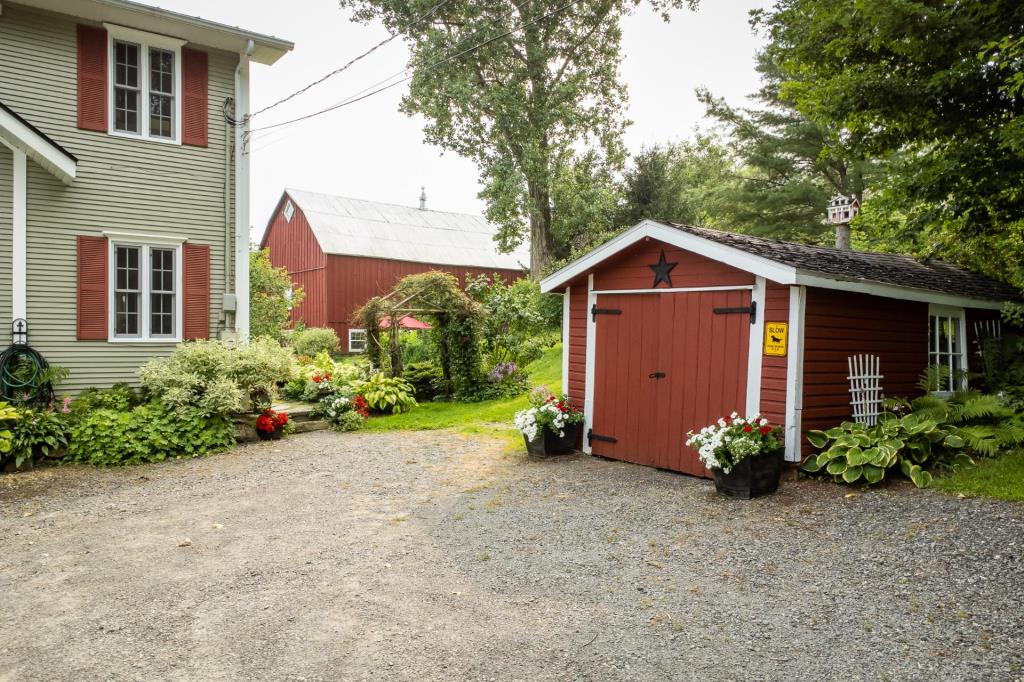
(371,151)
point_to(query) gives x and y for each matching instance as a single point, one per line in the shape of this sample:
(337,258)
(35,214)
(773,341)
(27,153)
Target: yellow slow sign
(775,334)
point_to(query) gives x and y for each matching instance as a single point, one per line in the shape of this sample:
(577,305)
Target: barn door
(666,364)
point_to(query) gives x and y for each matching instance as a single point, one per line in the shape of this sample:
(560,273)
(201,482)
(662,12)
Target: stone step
(296,411)
(314,425)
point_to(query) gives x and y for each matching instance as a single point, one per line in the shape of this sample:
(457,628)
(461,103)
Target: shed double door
(666,364)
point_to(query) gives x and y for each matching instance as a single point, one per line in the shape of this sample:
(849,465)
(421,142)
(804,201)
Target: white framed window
(289,210)
(356,340)
(947,348)
(145,84)
(145,291)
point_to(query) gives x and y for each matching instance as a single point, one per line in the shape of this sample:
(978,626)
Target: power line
(423,17)
(358,97)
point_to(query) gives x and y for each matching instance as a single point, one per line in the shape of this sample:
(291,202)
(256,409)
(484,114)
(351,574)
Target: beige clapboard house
(124,187)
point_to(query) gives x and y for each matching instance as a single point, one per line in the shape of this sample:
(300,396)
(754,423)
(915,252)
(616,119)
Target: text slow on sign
(775,335)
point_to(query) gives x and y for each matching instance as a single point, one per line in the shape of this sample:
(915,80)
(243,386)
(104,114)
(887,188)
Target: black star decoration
(662,271)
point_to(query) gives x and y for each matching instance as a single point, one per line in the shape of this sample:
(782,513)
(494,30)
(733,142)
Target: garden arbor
(455,327)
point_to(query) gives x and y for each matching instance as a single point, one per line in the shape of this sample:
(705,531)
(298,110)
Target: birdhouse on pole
(842,209)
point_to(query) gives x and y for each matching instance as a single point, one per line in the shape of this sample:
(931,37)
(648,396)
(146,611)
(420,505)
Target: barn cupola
(841,210)
(423,198)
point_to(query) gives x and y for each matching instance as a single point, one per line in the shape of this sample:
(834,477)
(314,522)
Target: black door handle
(656,375)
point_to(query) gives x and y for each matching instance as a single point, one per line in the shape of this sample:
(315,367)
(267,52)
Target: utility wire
(423,17)
(358,97)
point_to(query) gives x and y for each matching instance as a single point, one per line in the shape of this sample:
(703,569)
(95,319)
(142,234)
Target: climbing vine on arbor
(455,326)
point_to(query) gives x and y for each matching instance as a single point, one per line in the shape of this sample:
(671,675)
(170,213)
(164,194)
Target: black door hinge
(595,311)
(750,309)
(591,437)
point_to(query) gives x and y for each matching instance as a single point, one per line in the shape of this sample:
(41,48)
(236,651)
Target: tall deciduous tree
(271,296)
(935,81)
(517,86)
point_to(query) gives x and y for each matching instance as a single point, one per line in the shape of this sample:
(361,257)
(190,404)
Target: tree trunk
(843,237)
(542,244)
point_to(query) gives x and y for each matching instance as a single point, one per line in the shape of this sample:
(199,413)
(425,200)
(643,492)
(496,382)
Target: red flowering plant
(271,422)
(732,439)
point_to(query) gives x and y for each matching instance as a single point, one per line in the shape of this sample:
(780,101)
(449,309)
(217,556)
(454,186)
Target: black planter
(752,477)
(550,443)
(265,435)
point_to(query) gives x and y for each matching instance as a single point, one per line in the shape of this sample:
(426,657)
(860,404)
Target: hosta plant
(856,453)
(386,394)
(8,415)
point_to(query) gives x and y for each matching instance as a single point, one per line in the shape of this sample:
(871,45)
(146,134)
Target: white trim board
(754,354)
(588,389)
(566,318)
(19,236)
(242,181)
(758,265)
(678,290)
(795,373)
(20,137)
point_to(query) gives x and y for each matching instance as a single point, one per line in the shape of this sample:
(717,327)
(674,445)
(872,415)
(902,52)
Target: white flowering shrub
(732,439)
(549,412)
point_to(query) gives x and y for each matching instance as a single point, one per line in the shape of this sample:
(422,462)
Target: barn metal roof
(356,227)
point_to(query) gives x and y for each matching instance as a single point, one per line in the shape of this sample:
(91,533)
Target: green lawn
(1001,478)
(490,417)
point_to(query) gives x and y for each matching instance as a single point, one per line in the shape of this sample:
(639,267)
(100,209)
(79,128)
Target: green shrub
(217,378)
(386,394)
(348,421)
(505,380)
(150,432)
(121,397)
(417,347)
(514,326)
(426,379)
(8,415)
(316,340)
(258,366)
(37,433)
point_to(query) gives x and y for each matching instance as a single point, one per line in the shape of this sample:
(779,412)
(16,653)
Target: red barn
(670,327)
(343,252)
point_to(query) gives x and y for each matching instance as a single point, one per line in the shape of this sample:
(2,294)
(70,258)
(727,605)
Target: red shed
(343,252)
(669,327)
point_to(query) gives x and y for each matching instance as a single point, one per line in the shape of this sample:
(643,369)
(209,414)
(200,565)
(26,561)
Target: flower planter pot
(550,443)
(276,434)
(752,477)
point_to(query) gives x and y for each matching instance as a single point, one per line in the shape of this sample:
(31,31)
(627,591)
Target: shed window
(947,349)
(146,285)
(144,85)
(356,340)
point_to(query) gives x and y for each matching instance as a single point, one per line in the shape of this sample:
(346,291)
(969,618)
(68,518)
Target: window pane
(161,315)
(161,108)
(161,71)
(126,110)
(126,64)
(126,319)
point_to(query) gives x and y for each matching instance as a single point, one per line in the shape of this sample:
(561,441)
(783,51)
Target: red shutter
(92,288)
(194,78)
(196,303)
(92,78)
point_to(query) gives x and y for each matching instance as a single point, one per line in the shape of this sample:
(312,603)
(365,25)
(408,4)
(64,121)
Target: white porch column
(19,241)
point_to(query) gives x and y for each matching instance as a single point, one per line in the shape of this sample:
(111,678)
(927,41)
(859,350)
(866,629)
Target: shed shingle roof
(862,266)
(373,229)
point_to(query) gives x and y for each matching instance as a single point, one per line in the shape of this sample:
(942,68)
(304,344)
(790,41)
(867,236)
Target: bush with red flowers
(271,424)
(732,439)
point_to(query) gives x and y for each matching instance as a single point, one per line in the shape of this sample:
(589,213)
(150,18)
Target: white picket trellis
(865,388)
(986,329)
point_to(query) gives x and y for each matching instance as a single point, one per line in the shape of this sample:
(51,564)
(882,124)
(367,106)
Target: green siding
(127,185)
(6,200)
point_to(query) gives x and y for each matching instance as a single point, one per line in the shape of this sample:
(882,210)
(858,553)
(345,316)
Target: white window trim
(145,281)
(961,315)
(366,339)
(145,41)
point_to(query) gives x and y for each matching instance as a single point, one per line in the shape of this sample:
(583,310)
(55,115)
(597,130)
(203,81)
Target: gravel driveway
(434,556)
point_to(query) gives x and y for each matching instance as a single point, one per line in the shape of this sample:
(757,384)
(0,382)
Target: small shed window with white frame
(356,340)
(947,349)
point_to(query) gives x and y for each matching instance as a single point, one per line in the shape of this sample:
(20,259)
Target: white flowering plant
(547,411)
(732,439)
